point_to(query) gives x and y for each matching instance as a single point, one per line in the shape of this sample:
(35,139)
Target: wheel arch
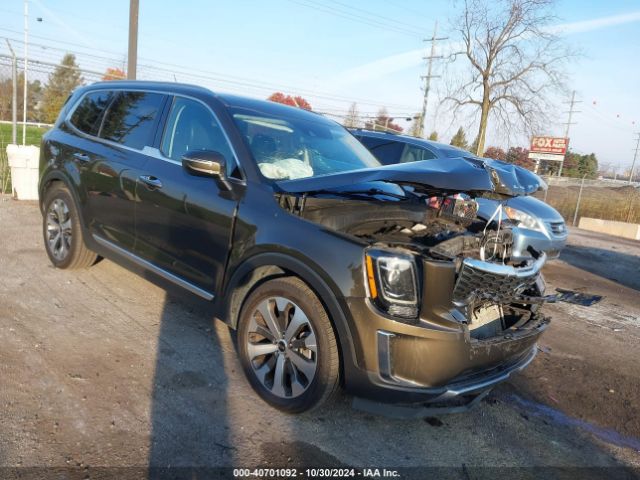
(262,267)
(51,178)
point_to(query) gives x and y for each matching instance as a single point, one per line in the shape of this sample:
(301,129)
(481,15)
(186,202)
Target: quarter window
(191,127)
(86,117)
(388,152)
(131,118)
(413,153)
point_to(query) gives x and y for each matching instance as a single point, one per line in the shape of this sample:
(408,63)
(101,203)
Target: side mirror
(206,163)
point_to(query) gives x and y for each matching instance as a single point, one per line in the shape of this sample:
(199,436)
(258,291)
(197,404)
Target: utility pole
(635,157)
(571,111)
(427,78)
(132,62)
(14,98)
(26,67)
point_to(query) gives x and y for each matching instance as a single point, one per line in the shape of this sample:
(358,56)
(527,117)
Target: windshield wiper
(357,193)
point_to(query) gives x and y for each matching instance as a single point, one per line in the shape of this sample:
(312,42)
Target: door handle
(83,157)
(151,182)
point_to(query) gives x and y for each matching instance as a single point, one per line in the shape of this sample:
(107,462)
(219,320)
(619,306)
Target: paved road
(104,368)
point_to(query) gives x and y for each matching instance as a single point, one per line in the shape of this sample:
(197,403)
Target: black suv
(333,269)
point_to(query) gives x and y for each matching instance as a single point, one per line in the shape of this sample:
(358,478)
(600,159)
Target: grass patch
(34,137)
(607,203)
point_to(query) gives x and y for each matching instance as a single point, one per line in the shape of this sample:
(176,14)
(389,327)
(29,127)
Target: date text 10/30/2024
(314,473)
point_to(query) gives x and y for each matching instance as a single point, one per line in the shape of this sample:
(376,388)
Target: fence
(604,199)
(38,76)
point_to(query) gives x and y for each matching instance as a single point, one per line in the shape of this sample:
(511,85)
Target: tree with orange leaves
(114,74)
(296,101)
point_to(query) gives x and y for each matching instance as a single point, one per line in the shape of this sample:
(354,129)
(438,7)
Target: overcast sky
(337,51)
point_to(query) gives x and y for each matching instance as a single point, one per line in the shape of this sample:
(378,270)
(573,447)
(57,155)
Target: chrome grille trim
(557,228)
(478,280)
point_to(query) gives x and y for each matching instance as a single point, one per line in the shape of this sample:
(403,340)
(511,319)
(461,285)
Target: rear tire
(287,346)
(62,231)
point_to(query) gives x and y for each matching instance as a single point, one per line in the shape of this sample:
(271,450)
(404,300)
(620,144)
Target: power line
(353,17)
(61,41)
(371,14)
(228,79)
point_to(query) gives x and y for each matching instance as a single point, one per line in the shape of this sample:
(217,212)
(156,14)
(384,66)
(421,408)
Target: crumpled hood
(450,175)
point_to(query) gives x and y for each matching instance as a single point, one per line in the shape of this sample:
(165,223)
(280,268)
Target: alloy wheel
(59,229)
(281,345)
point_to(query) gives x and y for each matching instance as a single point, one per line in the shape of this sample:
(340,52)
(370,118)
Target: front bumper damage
(452,355)
(474,316)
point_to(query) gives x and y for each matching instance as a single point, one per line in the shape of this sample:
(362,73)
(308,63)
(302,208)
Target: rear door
(184,222)
(115,162)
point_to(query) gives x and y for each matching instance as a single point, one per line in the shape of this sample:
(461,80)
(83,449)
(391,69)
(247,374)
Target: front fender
(309,272)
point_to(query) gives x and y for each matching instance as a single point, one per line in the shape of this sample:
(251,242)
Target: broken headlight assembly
(523,220)
(392,278)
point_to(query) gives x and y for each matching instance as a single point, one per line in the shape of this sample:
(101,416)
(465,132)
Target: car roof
(172,87)
(255,105)
(442,149)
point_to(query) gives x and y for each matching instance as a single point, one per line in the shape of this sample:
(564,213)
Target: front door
(184,222)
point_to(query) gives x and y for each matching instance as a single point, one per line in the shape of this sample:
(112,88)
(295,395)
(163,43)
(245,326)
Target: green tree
(433,136)
(473,148)
(62,81)
(576,165)
(460,139)
(34,94)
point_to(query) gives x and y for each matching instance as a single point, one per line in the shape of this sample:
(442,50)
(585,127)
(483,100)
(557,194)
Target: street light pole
(14,95)
(26,67)
(132,61)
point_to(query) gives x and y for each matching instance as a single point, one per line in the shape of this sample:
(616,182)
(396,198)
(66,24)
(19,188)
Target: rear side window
(387,152)
(413,153)
(131,117)
(86,117)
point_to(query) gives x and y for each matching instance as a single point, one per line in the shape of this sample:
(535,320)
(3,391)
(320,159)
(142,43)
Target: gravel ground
(104,368)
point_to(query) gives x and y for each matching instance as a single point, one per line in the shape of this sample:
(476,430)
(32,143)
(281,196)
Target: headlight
(393,282)
(522,219)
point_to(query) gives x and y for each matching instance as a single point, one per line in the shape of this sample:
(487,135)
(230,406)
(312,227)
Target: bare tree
(352,120)
(515,63)
(415,130)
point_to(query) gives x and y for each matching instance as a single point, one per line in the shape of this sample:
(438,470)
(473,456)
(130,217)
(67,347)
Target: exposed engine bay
(492,293)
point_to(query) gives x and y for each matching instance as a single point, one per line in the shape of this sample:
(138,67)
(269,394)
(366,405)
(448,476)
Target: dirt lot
(103,368)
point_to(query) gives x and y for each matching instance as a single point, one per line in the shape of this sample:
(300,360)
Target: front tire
(62,231)
(287,346)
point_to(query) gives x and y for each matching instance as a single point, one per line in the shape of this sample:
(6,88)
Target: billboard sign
(546,156)
(549,145)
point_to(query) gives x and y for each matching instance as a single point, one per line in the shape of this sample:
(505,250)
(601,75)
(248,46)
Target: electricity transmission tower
(635,157)
(568,124)
(427,78)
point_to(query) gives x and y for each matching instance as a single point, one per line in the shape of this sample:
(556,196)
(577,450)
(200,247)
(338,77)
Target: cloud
(595,24)
(411,59)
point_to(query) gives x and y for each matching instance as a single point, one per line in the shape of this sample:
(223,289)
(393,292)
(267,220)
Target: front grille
(475,283)
(557,228)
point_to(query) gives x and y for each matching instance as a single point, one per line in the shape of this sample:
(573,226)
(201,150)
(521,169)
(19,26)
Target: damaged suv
(333,269)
